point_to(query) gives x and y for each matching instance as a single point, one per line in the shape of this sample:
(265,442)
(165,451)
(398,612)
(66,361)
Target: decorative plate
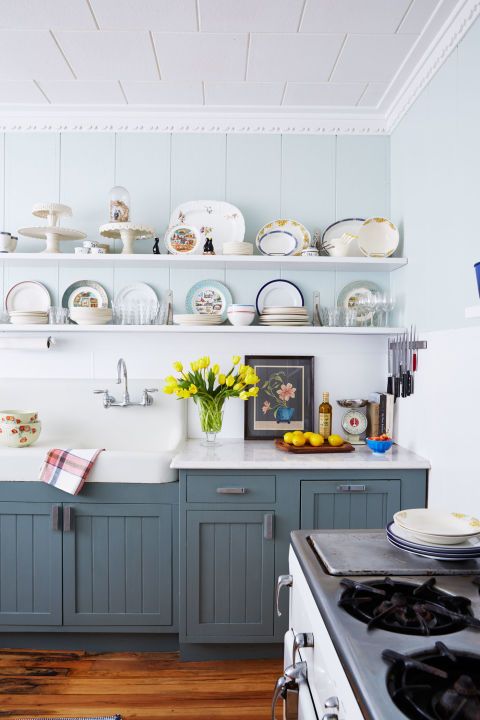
(282,237)
(378,237)
(279,293)
(336,230)
(138,292)
(85,293)
(28,295)
(183,240)
(435,522)
(219,220)
(208,297)
(350,295)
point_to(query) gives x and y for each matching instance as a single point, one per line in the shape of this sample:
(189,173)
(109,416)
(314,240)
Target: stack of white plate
(284,316)
(237,248)
(91,315)
(204,320)
(28,317)
(435,534)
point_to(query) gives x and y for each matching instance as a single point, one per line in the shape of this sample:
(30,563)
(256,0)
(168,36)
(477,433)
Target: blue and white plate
(432,556)
(279,293)
(470,550)
(282,237)
(208,297)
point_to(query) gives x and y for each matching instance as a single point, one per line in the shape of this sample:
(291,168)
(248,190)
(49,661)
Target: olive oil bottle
(325,417)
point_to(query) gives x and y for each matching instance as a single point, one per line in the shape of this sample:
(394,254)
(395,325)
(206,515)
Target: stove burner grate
(438,684)
(406,608)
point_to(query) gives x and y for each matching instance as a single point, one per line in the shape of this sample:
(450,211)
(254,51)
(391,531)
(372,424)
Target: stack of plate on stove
(201,319)
(286,316)
(435,534)
(28,317)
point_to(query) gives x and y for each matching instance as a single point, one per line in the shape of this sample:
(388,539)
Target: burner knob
(332,703)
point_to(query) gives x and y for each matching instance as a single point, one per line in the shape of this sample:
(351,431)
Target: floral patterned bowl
(18,416)
(21,435)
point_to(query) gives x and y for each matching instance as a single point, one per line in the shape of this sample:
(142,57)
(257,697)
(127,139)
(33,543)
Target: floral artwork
(285,397)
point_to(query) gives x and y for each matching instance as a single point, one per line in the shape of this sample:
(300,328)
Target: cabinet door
(230,573)
(30,564)
(345,504)
(117,564)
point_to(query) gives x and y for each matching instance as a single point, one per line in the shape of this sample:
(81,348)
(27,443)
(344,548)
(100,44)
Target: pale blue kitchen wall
(435,181)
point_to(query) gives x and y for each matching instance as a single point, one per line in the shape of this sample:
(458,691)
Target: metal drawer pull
(289,681)
(232,491)
(301,640)
(268,526)
(351,488)
(67,519)
(55,514)
(282,581)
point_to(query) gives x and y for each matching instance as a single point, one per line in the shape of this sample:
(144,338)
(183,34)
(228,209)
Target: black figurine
(208,248)
(156,247)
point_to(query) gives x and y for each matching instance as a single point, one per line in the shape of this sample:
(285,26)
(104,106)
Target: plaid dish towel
(68,469)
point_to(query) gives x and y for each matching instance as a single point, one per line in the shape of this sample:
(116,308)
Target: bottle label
(325,424)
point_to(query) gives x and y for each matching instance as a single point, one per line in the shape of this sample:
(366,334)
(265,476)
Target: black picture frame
(289,394)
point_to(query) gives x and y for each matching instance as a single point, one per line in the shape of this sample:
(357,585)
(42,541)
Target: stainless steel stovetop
(363,556)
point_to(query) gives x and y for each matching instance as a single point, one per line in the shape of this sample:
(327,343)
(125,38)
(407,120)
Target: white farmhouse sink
(139,442)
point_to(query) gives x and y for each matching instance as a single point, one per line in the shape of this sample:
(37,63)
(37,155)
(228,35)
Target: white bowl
(241,317)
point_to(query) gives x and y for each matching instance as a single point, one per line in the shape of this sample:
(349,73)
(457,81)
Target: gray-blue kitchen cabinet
(30,564)
(117,564)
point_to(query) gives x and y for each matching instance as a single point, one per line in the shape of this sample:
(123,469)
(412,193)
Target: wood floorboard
(138,686)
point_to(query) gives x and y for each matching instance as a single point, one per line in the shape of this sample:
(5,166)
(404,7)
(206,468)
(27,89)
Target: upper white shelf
(472,312)
(184,329)
(347,264)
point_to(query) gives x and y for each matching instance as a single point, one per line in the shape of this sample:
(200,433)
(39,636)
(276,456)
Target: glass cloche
(119,203)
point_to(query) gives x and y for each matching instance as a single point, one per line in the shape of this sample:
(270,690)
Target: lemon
(299,441)
(288,438)
(308,434)
(298,433)
(335,440)
(316,440)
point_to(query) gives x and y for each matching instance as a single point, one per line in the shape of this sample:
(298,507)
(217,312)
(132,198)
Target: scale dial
(354,422)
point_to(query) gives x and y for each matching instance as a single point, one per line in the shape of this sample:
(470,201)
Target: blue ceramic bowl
(477,270)
(379,447)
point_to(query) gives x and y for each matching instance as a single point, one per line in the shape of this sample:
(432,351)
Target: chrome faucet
(110,401)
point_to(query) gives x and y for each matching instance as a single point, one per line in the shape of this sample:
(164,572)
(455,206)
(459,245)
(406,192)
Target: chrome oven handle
(301,640)
(293,675)
(282,581)
(279,686)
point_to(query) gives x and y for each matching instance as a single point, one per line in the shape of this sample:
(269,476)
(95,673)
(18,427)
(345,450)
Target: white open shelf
(348,264)
(472,312)
(179,329)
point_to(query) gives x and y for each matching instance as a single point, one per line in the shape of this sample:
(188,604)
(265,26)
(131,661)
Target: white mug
(7,242)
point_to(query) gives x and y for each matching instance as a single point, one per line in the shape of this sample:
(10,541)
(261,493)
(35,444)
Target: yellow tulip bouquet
(209,388)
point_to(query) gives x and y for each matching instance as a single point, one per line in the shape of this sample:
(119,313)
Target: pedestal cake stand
(128,232)
(51,233)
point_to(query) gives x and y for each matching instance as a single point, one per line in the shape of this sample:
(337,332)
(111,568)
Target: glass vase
(211,418)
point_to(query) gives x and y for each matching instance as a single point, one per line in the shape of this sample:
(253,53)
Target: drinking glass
(331,316)
(57,315)
(387,303)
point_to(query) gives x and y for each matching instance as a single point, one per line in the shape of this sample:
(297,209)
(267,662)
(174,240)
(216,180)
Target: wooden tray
(345,448)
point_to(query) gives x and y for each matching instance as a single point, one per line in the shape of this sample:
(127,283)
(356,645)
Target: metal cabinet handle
(302,640)
(351,488)
(268,526)
(67,519)
(232,491)
(289,682)
(282,581)
(55,515)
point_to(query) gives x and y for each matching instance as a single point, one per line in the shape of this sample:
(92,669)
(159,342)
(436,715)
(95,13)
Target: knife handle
(409,383)
(404,384)
(397,387)
(390,385)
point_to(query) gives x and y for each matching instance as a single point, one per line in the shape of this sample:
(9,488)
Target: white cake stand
(128,232)
(52,234)
(51,212)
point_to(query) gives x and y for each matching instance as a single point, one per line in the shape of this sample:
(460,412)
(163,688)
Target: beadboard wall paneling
(198,168)
(362,177)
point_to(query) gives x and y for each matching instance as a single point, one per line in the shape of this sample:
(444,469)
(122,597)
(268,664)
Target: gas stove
(378,634)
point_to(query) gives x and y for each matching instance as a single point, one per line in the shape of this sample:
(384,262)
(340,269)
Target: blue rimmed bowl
(379,447)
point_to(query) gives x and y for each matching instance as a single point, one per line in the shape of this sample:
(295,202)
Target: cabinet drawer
(230,488)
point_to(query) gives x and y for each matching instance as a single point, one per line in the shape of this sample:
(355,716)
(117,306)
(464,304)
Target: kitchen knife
(390,368)
(396,367)
(404,364)
(409,362)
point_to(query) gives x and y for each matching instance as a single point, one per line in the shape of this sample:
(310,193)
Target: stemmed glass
(386,305)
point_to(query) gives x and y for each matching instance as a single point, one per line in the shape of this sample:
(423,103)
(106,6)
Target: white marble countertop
(263,455)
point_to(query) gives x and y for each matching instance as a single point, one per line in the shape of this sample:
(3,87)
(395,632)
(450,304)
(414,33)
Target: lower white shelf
(472,312)
(179,329)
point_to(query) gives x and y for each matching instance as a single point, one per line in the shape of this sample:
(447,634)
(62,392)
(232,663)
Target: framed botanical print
(285,398)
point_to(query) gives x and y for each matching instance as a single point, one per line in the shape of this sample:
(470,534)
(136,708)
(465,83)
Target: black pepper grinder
(156,247)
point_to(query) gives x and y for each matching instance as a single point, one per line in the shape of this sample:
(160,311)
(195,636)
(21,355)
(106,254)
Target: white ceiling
(273,57)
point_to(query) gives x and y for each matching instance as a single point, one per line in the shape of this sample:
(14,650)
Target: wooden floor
(146,686)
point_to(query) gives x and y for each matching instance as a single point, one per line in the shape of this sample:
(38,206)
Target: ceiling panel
(201,56)
(45,15)
(81,92)
(243,93)
(335,94)
(109,55)
(418,15)
(373,58)
(292,57)
(20,92)
(31,54)
(250,15)
(163,92)
(354,16)
(372,95)
(165,15)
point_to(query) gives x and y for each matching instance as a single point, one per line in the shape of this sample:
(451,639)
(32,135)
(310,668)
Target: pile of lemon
(297,438)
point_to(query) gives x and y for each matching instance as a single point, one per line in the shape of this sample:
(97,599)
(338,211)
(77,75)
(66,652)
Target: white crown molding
(444,32)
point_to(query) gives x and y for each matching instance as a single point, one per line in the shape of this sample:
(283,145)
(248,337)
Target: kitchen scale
(354,422)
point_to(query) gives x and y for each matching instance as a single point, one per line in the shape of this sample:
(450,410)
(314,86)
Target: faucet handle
(100,392)
(150,390)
